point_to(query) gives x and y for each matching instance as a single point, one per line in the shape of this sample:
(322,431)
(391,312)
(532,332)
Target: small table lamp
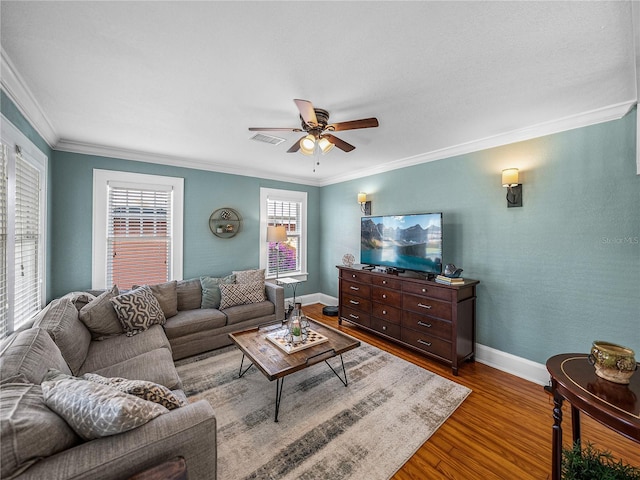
(277,235)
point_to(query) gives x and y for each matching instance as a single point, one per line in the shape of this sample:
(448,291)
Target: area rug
(366,430)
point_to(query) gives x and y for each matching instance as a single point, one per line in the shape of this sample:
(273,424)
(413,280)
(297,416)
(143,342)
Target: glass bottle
(295,328)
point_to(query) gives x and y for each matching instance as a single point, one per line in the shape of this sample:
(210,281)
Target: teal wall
(556,274)
(204,192)
(11,113)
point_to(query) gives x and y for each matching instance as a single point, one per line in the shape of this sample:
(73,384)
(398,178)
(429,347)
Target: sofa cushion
(155,366)
(211,290)
(60,320)
(138,310)
(143,389)
(94,410)
(241,294)
(167,296)
(249,276)
(100,317)
(30,353)
(189,294)
(192,321)
(30,430)
(242,313)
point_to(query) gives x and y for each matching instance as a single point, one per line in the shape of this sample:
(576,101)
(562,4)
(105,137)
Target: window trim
(286,196)
(101,179)
(12,136)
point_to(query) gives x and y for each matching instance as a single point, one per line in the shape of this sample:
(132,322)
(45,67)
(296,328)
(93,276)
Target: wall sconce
(514,189)
(365,206)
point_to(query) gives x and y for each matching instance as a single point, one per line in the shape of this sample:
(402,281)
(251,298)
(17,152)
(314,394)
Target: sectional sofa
(86,395)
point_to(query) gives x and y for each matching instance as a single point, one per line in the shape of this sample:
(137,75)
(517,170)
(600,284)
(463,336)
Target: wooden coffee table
(275,364)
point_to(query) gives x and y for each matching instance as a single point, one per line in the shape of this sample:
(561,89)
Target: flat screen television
(404,242)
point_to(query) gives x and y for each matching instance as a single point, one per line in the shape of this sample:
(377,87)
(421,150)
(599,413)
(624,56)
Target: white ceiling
(180,82)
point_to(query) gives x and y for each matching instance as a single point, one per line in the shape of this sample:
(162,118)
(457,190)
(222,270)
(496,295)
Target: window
(137,229)
(289,209)
(22,228)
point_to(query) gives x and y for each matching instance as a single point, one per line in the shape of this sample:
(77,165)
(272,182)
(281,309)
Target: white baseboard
(518,366)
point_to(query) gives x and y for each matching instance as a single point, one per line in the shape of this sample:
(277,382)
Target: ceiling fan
(315,122)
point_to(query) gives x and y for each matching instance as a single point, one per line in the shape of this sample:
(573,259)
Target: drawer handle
(424,290)
(384,327)
(353,302)
(428,307)
(384,295)
(422,324)
(384,282)
(384,312)
(428,344)
(354,316)
(355,288)
(354,275)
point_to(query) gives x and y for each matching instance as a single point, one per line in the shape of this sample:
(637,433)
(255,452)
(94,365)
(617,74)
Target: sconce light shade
(308,144)
(365,206)
(276,234)
(510,179)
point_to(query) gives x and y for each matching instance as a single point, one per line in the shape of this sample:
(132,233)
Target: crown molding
(17,90)
(72,146)
(600,115)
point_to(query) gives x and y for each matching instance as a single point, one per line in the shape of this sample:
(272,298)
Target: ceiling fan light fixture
(308,144)
(325,145)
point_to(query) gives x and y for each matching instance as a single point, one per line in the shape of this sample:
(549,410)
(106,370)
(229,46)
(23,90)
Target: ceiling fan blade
(307,112)
(354,124)
(295,147)
(341,144)
(267,129)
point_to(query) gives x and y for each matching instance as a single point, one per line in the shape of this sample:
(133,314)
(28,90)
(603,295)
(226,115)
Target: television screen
(405,242)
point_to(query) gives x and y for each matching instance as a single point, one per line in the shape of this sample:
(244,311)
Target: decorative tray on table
(278,338)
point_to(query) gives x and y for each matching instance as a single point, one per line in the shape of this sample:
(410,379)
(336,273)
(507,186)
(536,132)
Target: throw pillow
(189,294)
(249,276)
(144,389)
(167,296)
(60,320)
(30,430)
(137,310)
(211,290)
(100,317)
(94,410)
(241,294)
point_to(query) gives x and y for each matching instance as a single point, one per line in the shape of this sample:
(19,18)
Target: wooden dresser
(436,320)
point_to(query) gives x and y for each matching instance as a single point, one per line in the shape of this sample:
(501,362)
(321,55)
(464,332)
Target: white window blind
(286,214)
(27,294)
(138,236)
(4,299)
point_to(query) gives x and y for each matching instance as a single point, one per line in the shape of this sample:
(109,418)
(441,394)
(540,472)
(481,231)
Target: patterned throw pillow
(143,389)
(100,317)
(138,310)
(94,410)
(211,290)
(249,276)
(30,430)
(241,294)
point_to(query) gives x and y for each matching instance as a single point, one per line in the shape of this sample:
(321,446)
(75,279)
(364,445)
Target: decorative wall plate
(348,260)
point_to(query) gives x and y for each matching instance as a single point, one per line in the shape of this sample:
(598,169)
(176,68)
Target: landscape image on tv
(408,242)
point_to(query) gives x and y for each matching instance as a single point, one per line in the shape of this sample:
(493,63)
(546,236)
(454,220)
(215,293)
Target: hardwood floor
(501,431)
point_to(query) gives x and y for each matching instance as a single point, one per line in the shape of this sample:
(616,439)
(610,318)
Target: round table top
(613,404)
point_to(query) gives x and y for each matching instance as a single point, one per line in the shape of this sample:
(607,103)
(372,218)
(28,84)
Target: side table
(615,406)
(291,282)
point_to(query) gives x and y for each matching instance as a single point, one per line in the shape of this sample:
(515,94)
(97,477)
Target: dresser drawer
(427,343)
(387,313)
(387,282)
(392,298)
(357,289)
(355,316)
(426,306)
(386,328)
(427,325)
(356,303)
(356,276)
(428,290)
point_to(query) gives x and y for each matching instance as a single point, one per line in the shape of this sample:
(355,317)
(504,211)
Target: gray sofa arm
(275,294)
(189,431)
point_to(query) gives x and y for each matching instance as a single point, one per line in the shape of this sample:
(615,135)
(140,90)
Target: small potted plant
(593,464)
